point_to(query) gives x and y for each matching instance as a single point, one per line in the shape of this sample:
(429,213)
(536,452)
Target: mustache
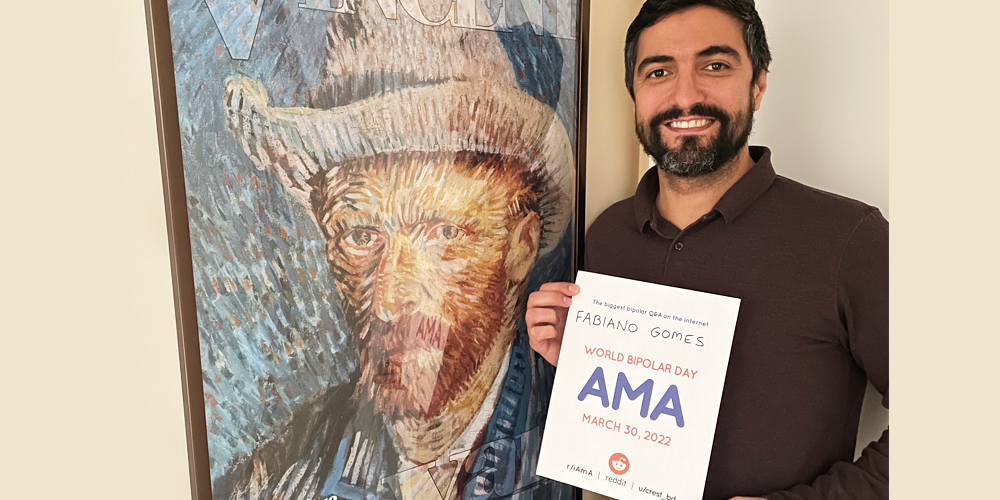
(408,332)
(389,344)
(700,109)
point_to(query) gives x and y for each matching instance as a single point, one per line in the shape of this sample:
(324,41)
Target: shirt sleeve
(863,301)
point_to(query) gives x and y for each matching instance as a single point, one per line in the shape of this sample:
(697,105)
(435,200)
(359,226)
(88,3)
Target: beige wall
(612,149)
(92,405)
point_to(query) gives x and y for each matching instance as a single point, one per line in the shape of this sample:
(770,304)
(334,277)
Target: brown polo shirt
(812,271)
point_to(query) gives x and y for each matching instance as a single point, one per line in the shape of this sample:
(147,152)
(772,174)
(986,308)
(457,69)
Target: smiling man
(810,267)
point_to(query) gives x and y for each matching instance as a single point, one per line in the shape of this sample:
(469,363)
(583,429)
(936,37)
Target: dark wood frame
(583,63)
(174,197)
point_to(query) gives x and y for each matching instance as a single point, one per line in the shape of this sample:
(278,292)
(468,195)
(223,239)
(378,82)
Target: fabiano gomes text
(610,323)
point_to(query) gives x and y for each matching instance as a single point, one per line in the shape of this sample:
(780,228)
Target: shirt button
(678,246)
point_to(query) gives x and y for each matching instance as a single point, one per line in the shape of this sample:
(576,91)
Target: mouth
(690,124)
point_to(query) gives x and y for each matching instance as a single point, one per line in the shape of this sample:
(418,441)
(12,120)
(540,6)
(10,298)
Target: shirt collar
(737,199)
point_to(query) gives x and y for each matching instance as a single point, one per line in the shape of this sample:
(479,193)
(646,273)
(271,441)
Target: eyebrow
(654,60)
(719,49)
(706,52)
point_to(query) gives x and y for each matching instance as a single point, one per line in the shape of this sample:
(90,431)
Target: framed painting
(360,195)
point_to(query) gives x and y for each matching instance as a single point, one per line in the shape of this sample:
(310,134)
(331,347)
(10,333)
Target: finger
(552,355)
(543,332)
(537,344)
(569,289)
(540,316)
(548,349)
(548,299)
(540,346)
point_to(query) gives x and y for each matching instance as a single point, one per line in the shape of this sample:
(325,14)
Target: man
(435,198)
(810,267)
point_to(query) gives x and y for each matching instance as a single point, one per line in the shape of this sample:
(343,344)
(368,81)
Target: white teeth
(689,123)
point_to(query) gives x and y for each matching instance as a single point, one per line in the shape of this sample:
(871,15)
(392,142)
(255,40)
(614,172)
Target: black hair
(653,11)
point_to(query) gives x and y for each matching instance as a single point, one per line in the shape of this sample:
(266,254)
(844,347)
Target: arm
(863,301)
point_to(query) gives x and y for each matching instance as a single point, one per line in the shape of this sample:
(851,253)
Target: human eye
(716,66)
(657,73)
(361,240)
(446,232)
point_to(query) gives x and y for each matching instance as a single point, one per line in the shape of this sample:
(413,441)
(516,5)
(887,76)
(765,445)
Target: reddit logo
(618,463)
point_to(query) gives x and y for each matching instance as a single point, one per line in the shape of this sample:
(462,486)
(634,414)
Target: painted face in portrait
(429,244)
(431,165)
(430,253)
(435,201)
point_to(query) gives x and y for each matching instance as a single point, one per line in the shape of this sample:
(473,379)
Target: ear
(758,89)
(523,244)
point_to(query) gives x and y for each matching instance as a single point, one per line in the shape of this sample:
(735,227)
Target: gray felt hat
(398,86)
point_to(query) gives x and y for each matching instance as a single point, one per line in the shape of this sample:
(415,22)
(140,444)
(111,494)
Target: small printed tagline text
(649,312)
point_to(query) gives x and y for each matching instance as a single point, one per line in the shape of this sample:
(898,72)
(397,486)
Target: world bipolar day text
(649,364)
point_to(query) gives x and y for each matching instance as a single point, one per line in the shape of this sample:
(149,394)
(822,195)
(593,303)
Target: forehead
(439,173)
(438,176)
(689,31)
(410,186)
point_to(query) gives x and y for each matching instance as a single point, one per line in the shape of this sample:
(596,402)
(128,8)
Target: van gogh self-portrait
(373,188)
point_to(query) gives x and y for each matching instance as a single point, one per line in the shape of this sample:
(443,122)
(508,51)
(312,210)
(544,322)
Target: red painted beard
(414,366)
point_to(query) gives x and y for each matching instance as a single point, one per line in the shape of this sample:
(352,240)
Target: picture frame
(351,188)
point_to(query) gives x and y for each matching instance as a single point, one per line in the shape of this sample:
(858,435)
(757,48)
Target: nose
(687,90)
(395,282)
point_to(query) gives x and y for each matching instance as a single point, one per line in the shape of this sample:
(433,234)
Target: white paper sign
(636,394)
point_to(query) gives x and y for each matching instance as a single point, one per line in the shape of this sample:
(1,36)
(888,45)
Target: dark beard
(691,159)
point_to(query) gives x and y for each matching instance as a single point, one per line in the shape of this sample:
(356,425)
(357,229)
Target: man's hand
(546,318)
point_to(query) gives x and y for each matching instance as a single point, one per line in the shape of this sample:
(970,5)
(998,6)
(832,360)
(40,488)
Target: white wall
(92,394)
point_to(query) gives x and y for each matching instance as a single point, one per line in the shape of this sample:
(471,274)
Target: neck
(684,200)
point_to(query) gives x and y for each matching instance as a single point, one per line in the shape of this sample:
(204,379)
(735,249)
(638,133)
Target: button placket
(677,245)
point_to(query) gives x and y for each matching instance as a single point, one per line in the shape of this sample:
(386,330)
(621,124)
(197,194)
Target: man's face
(428,257)
(694,100)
